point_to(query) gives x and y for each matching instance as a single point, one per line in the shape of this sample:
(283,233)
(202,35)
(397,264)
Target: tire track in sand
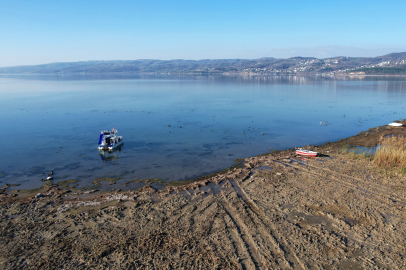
(373,185)
(264,242)
(268,226)
(384,199)
(241,247)
(241,235)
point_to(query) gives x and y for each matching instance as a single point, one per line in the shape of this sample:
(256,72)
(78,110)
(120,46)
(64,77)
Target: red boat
(305,152)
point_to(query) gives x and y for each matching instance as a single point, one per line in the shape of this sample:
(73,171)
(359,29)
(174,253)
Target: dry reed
(391,154)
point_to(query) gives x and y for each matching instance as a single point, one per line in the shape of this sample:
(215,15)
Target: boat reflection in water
(111,155)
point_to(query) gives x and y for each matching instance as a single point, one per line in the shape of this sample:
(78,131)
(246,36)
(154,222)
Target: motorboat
(304,152)
(109,140)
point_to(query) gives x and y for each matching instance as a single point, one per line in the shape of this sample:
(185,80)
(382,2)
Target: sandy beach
(275,211)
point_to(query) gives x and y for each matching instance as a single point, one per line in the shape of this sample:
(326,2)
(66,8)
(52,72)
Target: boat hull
(110,147)
(306,153)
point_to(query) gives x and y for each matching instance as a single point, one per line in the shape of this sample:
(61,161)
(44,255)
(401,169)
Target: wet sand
(278,211)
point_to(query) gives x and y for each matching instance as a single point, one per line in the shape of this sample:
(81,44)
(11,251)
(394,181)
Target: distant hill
(394,64)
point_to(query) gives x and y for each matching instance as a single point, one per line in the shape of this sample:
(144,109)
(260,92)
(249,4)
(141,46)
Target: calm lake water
(176,128)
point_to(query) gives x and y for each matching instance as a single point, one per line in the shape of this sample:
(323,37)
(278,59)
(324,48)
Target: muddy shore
(277,211)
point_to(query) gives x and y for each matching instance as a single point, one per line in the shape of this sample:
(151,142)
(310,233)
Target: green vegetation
(65,184)
(108,179)
(146,181)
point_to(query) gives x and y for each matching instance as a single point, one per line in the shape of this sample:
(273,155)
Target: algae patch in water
(146,181)
(66,184)
(108,179)
(96,182)
(5,186)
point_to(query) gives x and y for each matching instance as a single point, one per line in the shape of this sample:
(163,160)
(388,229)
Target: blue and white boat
(109,140)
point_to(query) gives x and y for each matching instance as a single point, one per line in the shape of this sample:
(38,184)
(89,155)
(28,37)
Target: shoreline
(276,211)
(214,74)
(64,185)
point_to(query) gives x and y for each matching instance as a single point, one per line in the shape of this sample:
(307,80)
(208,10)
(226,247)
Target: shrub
(391,154)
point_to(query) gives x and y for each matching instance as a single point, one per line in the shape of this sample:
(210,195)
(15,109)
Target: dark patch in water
(234,143)
(209,153)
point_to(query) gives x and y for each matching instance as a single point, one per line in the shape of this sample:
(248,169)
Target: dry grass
(392,154)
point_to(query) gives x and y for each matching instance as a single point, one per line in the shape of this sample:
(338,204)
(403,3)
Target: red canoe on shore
(304,152)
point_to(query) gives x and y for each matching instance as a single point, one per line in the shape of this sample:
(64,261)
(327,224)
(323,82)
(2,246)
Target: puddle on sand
(388,217)
(397,201)
(12,216)
(186,194)
(350,265)
(300,162)
(283,163)
(367,150)
(350,221)
(156,198)
(261,168)
(309,220)
(211,188)
(286,206)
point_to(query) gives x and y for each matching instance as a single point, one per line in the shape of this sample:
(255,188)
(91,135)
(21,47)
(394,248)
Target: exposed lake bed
(276,211)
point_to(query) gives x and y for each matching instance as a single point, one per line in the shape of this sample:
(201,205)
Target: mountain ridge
(393,63)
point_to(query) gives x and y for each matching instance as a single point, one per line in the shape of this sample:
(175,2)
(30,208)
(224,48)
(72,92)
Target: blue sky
(36,32)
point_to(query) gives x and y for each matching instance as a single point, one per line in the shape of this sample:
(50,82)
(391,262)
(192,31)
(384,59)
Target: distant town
(391,64)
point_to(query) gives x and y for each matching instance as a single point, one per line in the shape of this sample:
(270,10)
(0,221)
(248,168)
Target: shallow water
(176,128)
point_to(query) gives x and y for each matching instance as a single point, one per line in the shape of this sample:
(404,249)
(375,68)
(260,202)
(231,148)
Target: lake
(176,128)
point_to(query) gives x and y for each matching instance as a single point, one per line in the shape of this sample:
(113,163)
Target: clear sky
(39,31)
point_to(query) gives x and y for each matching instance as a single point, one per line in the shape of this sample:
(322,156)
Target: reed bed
(392,154)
